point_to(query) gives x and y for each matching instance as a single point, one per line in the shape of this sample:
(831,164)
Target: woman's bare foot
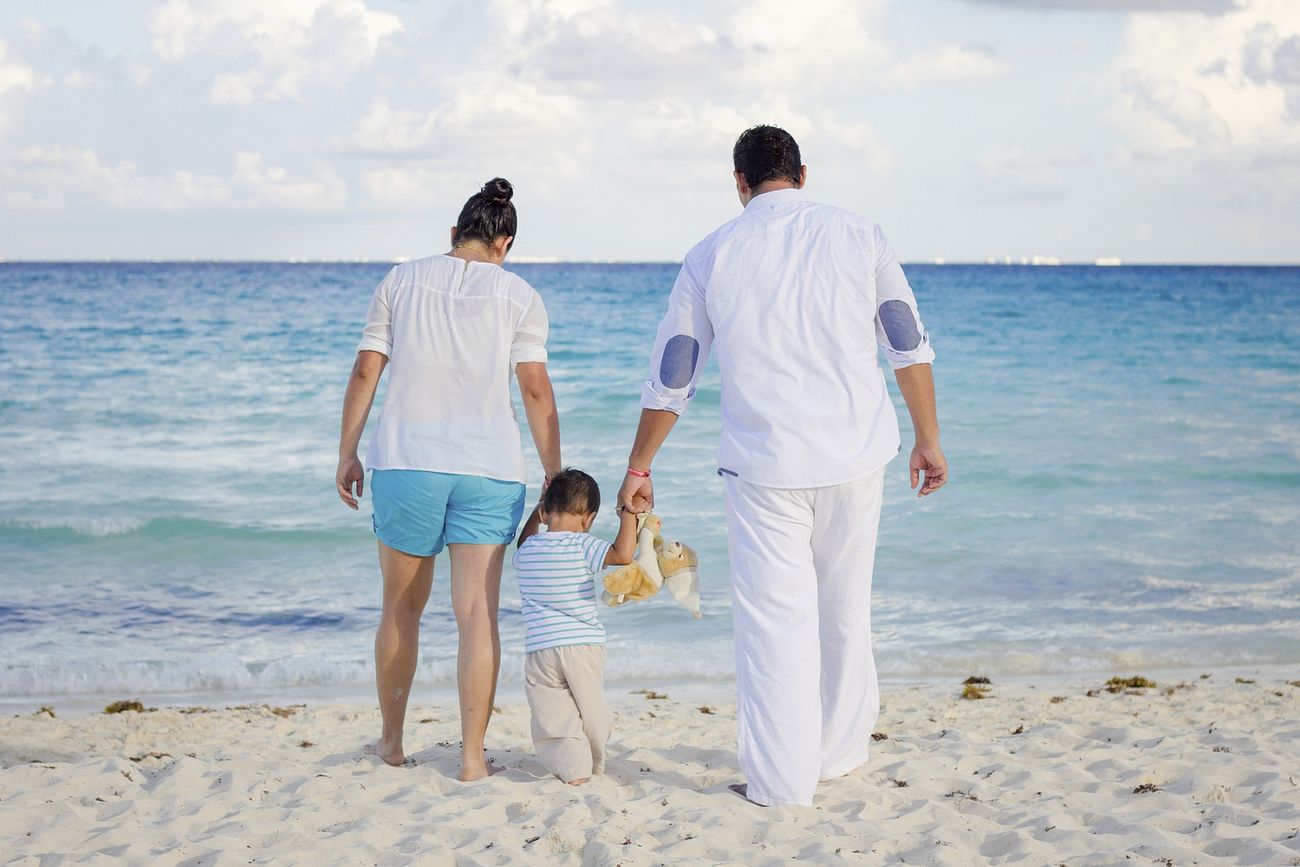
(476,770)
(378,749)
(581,782)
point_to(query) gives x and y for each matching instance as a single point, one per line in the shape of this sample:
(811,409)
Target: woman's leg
(407,580)
(475,594)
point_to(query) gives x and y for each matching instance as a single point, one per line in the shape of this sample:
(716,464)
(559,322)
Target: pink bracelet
(640,474)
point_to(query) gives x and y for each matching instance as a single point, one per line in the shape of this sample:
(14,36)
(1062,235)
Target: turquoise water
(1125,450)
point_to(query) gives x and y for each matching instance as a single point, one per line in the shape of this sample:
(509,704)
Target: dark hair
(488,214)
(766,153)
(571,492)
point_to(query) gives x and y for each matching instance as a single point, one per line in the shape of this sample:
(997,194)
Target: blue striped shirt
(557,573)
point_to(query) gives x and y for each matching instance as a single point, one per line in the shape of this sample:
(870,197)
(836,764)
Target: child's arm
(624,547)
(531,526)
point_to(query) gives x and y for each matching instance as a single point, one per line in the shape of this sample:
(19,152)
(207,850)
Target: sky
(1149,130)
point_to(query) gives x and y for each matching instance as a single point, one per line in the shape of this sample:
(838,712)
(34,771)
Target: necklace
(477,248)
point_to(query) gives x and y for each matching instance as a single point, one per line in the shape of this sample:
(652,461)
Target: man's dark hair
(489,214)
(767,153)
(571,492)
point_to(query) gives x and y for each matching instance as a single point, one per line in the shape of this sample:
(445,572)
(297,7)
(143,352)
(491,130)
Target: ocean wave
(630,662)
(229,673)
(167,529)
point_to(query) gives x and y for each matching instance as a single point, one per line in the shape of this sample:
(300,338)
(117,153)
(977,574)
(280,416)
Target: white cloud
(946,63)
(272,185)
(791,45)
(411,186)
(575,87)
(14,74)
(1206,7)
(236,88)
(1214,81)
(293,41)
(52,179)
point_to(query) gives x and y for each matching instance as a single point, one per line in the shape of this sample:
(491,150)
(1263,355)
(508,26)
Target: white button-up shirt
(798,298)
(453,331)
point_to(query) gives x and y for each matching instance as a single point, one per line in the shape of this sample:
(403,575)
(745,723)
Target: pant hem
(844,768)
(769,801)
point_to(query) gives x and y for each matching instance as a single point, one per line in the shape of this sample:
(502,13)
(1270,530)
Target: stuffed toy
(680,568)
(656,564)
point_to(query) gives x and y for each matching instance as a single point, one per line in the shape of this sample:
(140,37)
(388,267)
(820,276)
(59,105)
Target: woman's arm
(360,396)
(543,417)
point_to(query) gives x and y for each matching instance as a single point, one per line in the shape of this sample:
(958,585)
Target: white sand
(241,786)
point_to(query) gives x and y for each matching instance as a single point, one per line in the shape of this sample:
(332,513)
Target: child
(564,671)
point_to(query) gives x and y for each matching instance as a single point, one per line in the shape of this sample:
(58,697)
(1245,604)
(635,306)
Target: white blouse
(453,331)
(796,299)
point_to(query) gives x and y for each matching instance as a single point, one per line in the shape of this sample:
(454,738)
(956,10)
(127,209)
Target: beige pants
(566,692)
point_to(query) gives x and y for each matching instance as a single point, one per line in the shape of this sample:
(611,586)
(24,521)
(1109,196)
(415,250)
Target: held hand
(930,461)
(637,494)
(349,477)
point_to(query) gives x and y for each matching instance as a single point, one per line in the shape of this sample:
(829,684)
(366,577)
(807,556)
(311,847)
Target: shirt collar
(775,197)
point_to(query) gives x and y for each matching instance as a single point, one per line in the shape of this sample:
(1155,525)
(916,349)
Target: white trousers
(806,691)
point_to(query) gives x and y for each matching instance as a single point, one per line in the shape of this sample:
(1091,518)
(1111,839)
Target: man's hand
(350,476)
(639,504)
(637,494)
(930,461)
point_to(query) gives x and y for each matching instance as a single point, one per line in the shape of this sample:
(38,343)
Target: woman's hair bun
(498,190)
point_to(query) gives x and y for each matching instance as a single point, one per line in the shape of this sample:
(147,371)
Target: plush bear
(681,574)
(655,565)
(641,578)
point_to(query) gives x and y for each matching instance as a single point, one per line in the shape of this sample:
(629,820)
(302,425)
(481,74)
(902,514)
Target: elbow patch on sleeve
(900,325)
(678,363)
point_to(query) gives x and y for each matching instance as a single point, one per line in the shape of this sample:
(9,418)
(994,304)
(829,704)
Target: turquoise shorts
(419,512)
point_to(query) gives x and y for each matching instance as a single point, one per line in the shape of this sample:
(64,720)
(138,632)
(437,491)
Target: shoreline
(1189,770)
(510,690)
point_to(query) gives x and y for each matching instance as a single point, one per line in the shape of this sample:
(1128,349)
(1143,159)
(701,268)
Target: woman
(446,459)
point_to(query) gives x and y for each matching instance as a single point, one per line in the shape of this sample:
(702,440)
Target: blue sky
(1152,130)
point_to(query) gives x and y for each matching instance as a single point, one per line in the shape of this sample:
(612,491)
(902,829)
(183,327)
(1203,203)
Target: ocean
(1125,479)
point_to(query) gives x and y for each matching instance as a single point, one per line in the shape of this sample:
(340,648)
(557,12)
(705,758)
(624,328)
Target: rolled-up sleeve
(681,347)
(377,336)
(529,342)
(899,330)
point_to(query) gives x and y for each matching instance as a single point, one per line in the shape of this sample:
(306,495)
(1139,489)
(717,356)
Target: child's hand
(640,504)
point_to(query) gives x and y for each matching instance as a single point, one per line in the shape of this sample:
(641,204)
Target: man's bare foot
(393,757)
(583,781)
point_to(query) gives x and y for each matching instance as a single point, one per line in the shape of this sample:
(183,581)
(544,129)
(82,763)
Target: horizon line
(937,262)
(534,260)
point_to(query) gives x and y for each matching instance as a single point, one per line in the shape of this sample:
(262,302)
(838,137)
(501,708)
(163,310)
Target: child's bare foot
(391,755)
(583,781)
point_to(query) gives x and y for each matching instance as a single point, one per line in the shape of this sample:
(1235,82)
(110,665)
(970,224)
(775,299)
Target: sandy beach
(1191,771)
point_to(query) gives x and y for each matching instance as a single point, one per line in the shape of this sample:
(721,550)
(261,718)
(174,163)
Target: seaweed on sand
(1137,681)
(125,705)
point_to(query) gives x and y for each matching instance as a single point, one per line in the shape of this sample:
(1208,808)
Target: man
(798,298)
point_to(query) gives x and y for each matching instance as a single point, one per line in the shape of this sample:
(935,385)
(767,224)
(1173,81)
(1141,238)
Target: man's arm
(916,382)
(358,399)
(650,435)
(681,350)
